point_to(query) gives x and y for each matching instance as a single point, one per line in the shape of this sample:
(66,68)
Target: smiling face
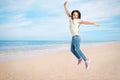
(75,14)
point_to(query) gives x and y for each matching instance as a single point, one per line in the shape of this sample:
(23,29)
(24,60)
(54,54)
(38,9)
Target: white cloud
(5,26)
(85,28)
(46,26)
(99,10)
(11,5)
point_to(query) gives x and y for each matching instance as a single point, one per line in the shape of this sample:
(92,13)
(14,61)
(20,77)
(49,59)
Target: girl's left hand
(97,24)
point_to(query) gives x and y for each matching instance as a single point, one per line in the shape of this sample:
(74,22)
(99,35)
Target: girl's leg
(73,51)
(77,48)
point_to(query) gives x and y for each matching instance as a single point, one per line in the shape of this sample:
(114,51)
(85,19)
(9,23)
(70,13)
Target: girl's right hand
(65,2)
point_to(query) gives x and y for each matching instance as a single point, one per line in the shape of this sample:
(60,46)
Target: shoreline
(14,54)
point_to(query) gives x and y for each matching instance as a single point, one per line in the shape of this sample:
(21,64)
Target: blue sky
(46,19)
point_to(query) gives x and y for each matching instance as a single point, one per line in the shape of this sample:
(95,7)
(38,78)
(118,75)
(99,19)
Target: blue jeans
(75,48)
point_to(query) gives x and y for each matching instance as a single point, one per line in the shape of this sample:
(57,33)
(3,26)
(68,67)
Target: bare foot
(87,64)
(79,61)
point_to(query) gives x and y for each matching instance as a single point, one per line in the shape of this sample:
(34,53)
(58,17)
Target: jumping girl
(75,21)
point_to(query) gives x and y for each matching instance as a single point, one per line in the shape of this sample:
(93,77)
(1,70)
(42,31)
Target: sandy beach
(62,65)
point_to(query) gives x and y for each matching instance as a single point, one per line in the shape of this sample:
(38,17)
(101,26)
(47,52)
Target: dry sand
(104,65)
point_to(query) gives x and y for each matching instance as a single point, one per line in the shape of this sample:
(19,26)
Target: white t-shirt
(74,26)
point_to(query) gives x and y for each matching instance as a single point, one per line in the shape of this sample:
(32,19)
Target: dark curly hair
(79,14)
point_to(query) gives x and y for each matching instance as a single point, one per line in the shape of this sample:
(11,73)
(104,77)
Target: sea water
(6,45)
(15,49)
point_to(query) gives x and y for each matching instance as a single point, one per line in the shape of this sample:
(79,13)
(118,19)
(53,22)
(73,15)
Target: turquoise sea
(11,49)
(6,45)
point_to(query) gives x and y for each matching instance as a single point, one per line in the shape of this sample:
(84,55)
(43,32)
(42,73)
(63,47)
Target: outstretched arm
(89,23)
(66,10)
